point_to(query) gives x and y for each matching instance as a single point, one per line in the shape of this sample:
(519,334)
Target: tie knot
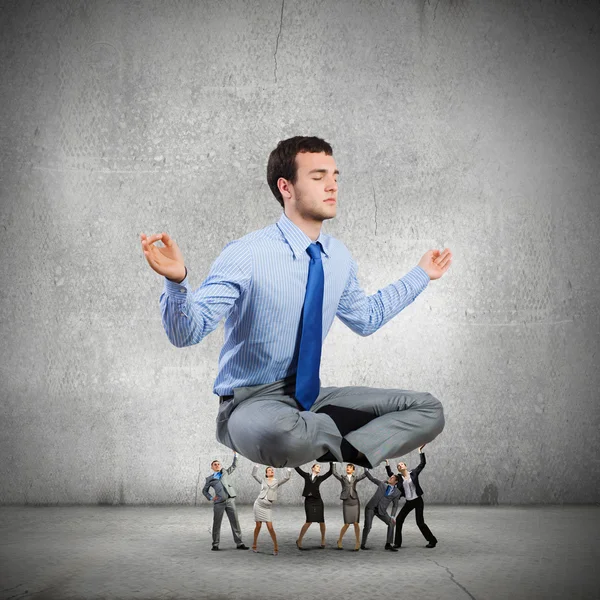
(314,250)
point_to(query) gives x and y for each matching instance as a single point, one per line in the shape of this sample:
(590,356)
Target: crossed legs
(270,429)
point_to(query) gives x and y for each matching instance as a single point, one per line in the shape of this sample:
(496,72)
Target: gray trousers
(369,514)
(265,424)
(219,508)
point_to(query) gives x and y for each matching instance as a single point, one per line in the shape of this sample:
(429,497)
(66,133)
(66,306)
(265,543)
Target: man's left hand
(436,263)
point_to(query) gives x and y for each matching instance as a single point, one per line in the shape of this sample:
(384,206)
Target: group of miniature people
(403,484)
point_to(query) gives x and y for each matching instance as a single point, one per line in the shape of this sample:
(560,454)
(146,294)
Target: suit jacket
(312,488)
(270,491)
(348,487)
(414,475)
(225,482)
(380,501)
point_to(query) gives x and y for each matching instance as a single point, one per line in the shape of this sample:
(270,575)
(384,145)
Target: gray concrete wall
(473,125)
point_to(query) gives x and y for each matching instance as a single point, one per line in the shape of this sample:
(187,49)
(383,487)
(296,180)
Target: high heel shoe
(339,545)
(255,549)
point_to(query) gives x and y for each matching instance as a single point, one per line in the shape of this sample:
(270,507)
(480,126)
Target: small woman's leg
(273,537)
(357,534)
(342,532)
(256,532)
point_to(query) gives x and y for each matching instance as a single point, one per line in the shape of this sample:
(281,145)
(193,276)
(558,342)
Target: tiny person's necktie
(311,337)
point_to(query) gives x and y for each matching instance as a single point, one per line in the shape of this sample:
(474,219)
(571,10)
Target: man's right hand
(166,260)
(215,498)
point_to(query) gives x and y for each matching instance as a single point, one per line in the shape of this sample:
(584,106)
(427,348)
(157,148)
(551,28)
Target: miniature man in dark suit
(313,503)
(387,493)
(408,483)
(223,501)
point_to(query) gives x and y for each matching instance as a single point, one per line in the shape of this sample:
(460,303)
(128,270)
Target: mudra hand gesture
(166,260)
(436,263)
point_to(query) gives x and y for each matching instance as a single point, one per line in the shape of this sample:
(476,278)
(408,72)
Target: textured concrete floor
(164,552)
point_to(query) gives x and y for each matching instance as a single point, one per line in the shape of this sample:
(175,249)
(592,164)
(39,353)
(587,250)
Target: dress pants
(373,512)
(219,508)
(265,424)
(418,505)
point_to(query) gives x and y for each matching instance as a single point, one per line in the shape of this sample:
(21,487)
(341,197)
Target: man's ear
(285,188)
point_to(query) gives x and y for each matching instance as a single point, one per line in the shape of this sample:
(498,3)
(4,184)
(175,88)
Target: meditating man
(279,289)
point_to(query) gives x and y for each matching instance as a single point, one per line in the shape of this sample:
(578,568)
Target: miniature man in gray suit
(386,493)
(223,501)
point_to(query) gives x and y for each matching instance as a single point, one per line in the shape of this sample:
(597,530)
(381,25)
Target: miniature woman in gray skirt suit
(264,503)
(350,503)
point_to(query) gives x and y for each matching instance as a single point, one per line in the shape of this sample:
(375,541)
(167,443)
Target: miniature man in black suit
(408,484)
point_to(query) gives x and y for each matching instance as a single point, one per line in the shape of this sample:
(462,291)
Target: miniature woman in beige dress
(264,503)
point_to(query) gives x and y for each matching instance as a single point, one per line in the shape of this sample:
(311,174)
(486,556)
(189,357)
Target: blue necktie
(389,490)
(311,337)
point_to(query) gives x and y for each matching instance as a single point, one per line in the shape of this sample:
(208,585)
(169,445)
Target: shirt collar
(297,239)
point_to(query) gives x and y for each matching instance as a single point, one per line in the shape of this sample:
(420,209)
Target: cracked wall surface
(471,125)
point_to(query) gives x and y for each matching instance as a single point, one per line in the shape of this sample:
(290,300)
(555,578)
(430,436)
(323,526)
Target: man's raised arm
(188,316)
(373,479)
(231,468)
(366,314)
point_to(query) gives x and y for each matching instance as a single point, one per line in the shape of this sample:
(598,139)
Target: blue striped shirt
(258,285)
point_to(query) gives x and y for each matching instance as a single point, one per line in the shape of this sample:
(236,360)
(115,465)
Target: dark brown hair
(282,161)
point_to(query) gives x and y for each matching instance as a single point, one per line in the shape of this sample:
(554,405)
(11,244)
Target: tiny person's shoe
(363,547)
(298,545)
(431,544)
(242,547)
(339,545)
(255,549)
(275,551)
(215,548)
(397,546)
(390,548)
